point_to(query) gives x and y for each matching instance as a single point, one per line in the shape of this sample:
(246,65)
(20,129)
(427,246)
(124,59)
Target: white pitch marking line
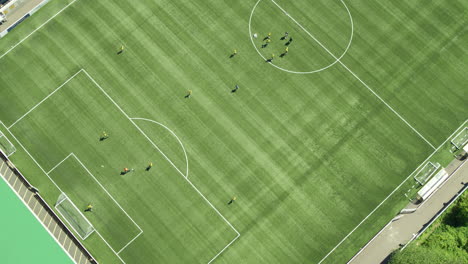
(359,79)
(172,132)
(105,190)
(309,72)
(49,95)
(125,114)
(58,164)
(34,31)
(155,146)
(129,242)
(409,176)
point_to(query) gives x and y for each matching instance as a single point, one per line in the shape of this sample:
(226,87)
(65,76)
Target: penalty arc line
(354,74)
(172,132)
(162,153)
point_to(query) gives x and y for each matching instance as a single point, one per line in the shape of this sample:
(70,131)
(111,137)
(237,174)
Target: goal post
(73,216)
(460,139)
(425,173)
(6,146)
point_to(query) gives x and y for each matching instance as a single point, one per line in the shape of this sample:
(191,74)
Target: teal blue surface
(23,239)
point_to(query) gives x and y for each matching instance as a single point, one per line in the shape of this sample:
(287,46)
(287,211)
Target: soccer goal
(6,146)
(74,216)
(426,172)
(460,140)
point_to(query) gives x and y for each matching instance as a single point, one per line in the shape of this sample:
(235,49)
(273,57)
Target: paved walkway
(20,9)
(404,227)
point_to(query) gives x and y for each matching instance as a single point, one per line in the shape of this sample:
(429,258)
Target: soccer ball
(255,35)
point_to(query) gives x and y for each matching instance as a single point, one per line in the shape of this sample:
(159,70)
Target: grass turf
(308,156)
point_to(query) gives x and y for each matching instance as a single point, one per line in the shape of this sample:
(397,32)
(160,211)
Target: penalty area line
(173,165)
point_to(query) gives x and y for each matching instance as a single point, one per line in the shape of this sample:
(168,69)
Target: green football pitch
(316,145)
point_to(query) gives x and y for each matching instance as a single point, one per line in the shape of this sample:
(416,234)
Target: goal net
(74,216)
(6,146)
(460,139)
(426,172)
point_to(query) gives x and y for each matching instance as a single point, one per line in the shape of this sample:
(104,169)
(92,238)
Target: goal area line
(131,120)
(104,189)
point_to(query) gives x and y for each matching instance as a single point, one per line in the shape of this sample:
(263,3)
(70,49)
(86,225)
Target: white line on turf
(303,72)
(34,31)
(40,167)
(105,190)
(172,132)
(130,242)
(58,164)
(156,147)
(354,74)
(398,187)
(49,95)
(149,140)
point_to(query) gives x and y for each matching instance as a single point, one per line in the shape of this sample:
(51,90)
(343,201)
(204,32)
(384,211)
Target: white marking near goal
(149,140)
(105,190)
(352,73)
(386,198)
(9,142)
(81,214)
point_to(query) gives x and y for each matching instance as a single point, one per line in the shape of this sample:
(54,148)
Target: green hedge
(446,242)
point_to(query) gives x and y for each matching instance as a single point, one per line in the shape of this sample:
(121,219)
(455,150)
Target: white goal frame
(9,142)
(465,130)
(423,181)
(79,211)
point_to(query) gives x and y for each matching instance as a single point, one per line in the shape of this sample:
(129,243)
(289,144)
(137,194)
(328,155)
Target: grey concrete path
(20,9)
(402,229)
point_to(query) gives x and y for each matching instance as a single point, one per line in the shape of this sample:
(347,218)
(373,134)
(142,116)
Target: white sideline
(34,31)
(359,79)
(152,143)
(409,176)
(172,132)
(49,95)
